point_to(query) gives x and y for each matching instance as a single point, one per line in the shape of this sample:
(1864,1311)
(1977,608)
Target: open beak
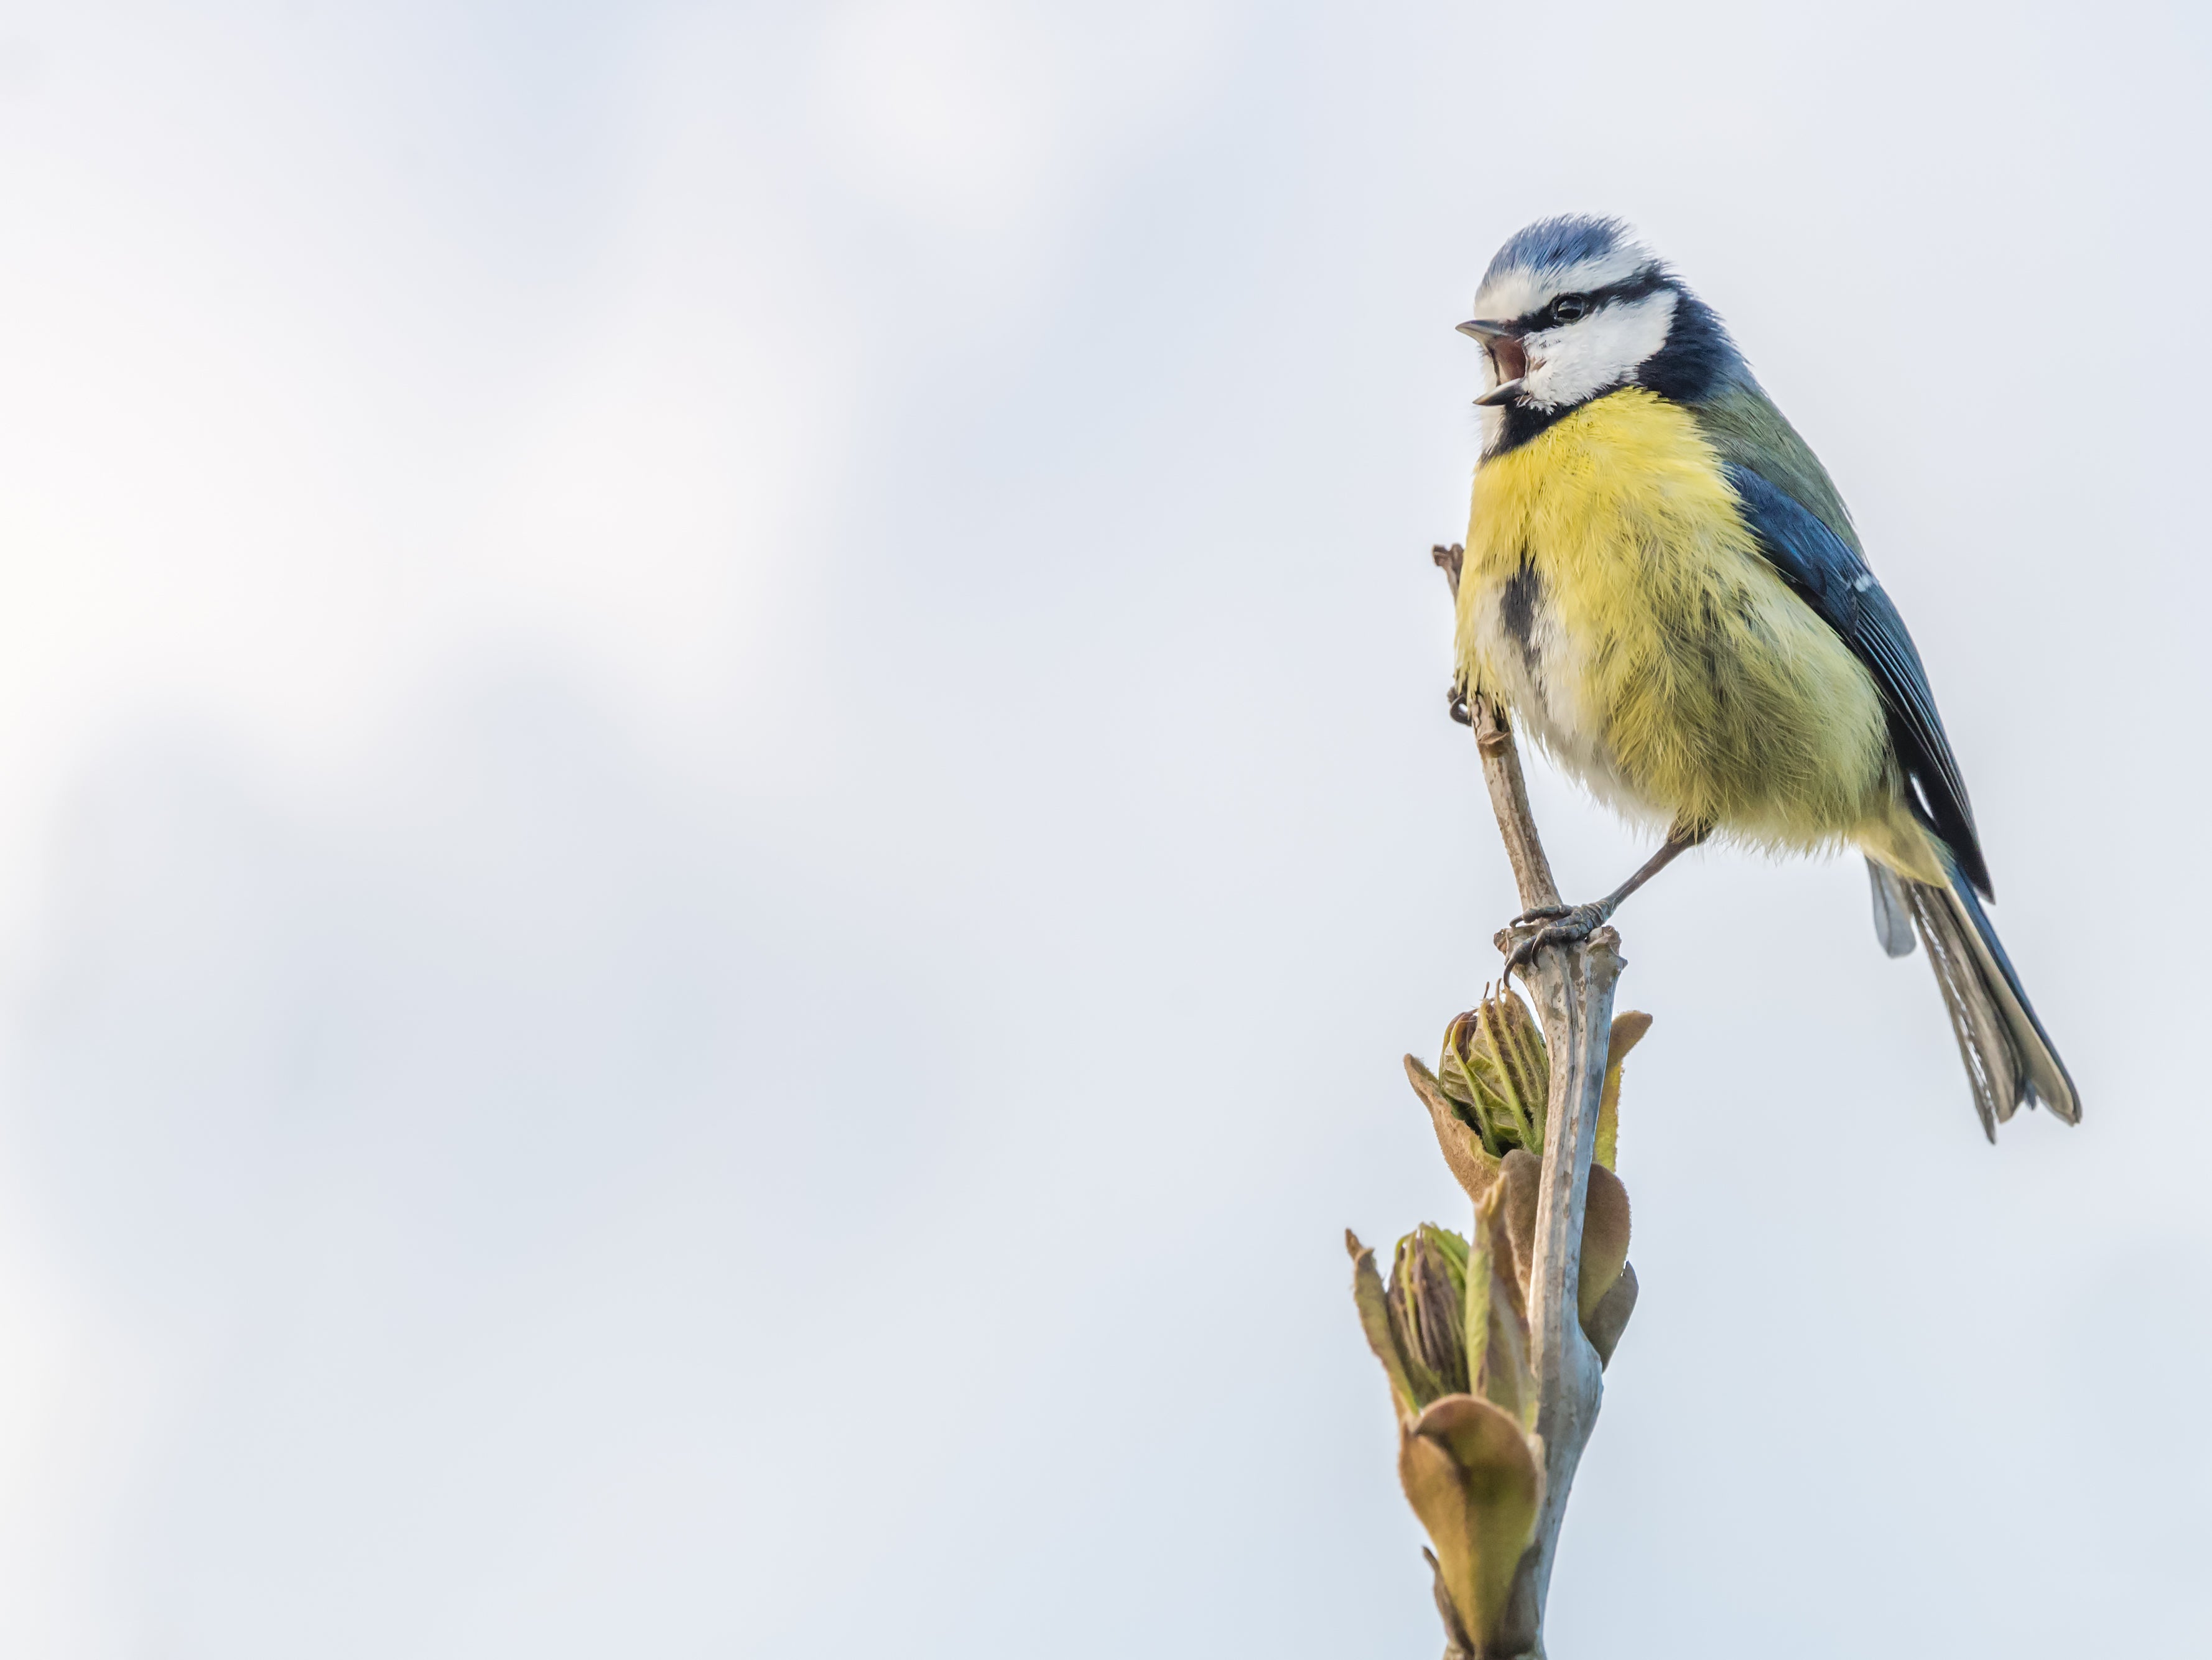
(1507,356)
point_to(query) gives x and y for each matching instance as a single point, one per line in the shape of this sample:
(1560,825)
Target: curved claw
(1567,925)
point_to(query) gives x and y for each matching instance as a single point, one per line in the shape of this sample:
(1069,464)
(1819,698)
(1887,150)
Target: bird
(1662,587)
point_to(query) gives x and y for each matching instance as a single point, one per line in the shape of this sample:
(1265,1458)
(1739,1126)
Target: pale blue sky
(724,794)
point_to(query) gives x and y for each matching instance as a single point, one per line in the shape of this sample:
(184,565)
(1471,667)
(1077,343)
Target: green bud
(1417,1324)
(1451,1331)
(1453,1319)
(1428,1310)
(1496,1072)
(1452,1325)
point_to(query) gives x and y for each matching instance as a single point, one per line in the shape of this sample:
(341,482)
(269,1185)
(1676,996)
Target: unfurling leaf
(1605,1238)
(1501,1374)
(1368,1292)
(1472,1477)
(1604,1324)
(1472,1164)
(1628,1028)
(1450,1325)
(1605,1226)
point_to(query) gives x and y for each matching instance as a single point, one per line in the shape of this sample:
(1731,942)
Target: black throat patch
(1696,359)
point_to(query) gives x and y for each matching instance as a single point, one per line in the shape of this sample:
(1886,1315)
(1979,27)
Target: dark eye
(1569,306)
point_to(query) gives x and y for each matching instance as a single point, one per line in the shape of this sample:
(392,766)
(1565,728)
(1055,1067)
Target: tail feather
(2010,1060)
(1892,915)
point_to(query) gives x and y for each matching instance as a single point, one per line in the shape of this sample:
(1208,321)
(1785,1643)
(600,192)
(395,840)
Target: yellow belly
(1614,603)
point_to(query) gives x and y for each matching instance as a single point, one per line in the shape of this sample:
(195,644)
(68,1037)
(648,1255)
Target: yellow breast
(1614,602)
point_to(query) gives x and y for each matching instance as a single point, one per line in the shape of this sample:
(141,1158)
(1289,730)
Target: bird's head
(1572,308)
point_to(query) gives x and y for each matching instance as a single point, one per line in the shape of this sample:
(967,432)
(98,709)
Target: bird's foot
(1551,925)
(1541,914)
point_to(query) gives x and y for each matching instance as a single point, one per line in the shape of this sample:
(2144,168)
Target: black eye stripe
(1634,287)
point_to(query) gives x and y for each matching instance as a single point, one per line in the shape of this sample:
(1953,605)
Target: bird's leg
(1567,925)
(1679,841)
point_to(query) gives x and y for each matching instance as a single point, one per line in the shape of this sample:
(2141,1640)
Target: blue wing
(1831,578)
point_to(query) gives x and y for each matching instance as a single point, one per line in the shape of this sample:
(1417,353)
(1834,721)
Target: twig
(1509,800)
(1501,771)
(1573,987)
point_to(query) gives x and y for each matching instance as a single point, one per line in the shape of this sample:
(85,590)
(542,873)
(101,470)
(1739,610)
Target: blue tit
(1662,589)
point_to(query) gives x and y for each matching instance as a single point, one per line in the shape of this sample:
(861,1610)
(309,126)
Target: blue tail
(2010,1059)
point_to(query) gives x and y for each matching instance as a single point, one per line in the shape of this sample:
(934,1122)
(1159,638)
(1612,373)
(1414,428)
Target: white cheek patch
(1517,293)
(1582,359)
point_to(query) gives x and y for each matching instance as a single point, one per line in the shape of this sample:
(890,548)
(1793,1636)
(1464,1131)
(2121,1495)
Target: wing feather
(1829,575)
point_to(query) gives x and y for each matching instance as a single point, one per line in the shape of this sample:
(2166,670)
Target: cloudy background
(724,793)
